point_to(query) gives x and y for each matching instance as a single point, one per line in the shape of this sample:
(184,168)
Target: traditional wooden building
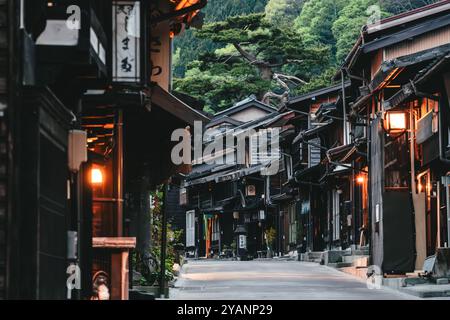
(400,68)
(328,150)
(84,100)
(227,201)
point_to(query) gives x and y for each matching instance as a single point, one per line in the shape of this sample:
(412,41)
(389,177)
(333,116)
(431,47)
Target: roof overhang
(391,69)
(168,102)
(185,10)
(317,94)
(406,34)
(409,16)
(309,134)
(411,89)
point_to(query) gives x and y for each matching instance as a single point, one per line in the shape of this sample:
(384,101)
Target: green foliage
(220,84)
(216,10)
(281,13)
(322,80)
(173,238)
(208,66)
(316,20)
(253,50)
(236,29)
(263,40)
(271,235)
(352,17)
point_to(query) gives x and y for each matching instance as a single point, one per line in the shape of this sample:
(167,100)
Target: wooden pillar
(119,248)
(119,275)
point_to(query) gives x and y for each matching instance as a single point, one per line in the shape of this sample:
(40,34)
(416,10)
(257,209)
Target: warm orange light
(96,176)
(360,179)
(396,120)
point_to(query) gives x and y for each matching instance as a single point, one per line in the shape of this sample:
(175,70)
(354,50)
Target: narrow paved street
(239,280)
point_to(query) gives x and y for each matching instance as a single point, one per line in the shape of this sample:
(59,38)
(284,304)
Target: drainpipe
(369,189)
(446,181)
(344,107)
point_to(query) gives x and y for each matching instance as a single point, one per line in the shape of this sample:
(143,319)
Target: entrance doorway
(424,186)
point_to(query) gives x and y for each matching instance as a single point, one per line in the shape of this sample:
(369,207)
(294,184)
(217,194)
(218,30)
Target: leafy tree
(281,13)
(316,19)
(219,83)
(216,10)
(237,55)
(258,42)
(322,80)
(256,53)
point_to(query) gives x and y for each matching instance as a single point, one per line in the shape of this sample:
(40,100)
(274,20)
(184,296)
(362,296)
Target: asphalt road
(271,279)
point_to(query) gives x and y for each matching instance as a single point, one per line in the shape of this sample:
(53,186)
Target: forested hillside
(271,48)
(216,10)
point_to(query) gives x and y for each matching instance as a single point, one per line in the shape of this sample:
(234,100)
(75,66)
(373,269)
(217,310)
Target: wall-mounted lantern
(360,179)
(73,35)
(96,176)
(395,122)
(77,149)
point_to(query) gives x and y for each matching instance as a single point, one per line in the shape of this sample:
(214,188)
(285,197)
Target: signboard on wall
(190,228)
(126,45)
(160,53)
(242,241)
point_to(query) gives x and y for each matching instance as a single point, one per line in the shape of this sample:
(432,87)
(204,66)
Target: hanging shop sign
(126,44)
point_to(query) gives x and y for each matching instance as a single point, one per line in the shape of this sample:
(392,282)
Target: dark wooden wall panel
(377,187)
(3,142)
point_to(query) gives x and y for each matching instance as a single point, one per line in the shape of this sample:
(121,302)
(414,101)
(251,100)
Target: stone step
(311,256)
(357,272)
(357,261)
(315,254)
(360,252)
(340,264)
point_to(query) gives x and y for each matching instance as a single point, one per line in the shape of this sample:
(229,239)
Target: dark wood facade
(407,201)
(53,215)
(233,196)
(5,99)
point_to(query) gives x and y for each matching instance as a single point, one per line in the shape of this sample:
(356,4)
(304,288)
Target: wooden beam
(114,243)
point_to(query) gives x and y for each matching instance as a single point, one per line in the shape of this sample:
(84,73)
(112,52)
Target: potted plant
(270,236)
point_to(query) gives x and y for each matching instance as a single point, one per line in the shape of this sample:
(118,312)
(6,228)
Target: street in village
(137,134)
(274,280)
